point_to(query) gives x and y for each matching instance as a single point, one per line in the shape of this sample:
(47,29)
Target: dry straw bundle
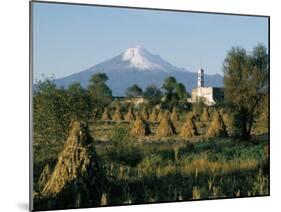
(106,115)
(217,127)
(78,177)
(140,128)
(117,115)
(174,116)
(205,117)
(166,127)
(130,116)
(189,129)
(44,177)
(153,116)
(161,115)
(145,114)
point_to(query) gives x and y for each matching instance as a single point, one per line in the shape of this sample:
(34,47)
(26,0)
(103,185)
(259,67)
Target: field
(151,169)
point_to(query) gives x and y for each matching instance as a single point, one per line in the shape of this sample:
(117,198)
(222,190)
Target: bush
(123,149)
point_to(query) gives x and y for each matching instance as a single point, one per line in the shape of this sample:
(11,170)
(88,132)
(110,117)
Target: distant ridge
(138,65)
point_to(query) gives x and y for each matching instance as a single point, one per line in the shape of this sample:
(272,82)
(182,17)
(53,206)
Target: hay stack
(174,116)
(164,114)
(160,115)
(153,116)
(130,116)
(205,117)
(217,127)
(140,128)
(44,177)
(106,115)
(188,129)
(78,178)
(117,115)
(166,127)
(145,114)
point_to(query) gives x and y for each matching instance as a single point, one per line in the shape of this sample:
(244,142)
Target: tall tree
(134,91)
(153,94)
(246,85)
(51,112)
(169,85)
(101,94)
(80,102)
(174,91)
(181,90)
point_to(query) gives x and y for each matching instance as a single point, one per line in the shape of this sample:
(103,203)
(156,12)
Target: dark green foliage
(134,91)
(51,112)
(123,149)
(101,94)
(80,102)
(153,94)
(143,183)
(181,91)
(174,92)
(53,108)
(246,86)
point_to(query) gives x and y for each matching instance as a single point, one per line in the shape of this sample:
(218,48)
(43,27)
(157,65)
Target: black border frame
(137,8)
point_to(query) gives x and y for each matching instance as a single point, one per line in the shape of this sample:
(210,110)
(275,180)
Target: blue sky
(71,38)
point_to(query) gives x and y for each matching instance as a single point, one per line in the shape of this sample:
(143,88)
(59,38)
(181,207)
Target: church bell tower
(200,80)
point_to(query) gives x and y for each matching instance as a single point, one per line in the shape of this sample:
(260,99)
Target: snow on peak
(140,58)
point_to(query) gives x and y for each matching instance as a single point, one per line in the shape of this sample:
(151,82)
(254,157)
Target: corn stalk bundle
(174,116)
(217,127)
(117,115)
(189,129)
(130,116)
(140,128)
(78,178)
(106,115)
(153,116)
(166,127)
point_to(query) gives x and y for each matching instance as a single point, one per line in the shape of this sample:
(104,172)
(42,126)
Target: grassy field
(149,169)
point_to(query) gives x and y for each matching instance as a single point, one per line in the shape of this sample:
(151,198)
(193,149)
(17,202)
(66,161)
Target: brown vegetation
(106,115)
(205,117)
(145,114)
(140,127)
(188,129)
(153,116)
(174,116)
(217,127)
(166,127)
(130,116)
(78,174)
(44,177)
(117,115)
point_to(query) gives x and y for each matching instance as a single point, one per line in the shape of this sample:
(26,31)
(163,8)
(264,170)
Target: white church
(209,95)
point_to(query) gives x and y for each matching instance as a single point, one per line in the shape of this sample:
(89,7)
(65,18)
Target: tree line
(245,86)
(54,107)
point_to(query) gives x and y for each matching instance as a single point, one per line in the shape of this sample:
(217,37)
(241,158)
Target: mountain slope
(137,65)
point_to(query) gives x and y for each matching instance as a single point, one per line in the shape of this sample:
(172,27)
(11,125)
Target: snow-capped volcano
(136,65)
(138,57)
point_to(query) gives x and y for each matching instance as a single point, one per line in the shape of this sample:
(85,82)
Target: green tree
(153,94)
(181,90)
(51,112)
(174,91)
(134,91)
(100,93)
(80,102)
(246,86)
(169,85)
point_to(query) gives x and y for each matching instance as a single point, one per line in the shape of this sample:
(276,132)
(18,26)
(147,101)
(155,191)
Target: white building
(209,95)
